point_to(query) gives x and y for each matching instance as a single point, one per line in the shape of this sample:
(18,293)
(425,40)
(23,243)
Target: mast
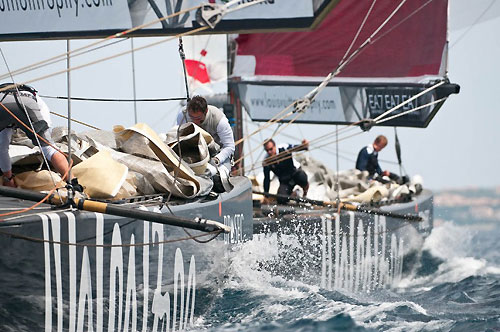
(133,79)
(68,78)
(234,108)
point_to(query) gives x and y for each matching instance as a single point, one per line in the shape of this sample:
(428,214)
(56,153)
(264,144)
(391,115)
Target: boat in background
(385,65)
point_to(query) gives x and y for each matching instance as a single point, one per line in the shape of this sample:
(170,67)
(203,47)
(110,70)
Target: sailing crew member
(24,102)
(368,158)
(279,160)
(215,122)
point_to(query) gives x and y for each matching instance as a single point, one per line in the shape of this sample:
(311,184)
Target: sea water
(455,287)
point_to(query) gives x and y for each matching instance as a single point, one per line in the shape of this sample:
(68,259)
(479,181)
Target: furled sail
(402,59)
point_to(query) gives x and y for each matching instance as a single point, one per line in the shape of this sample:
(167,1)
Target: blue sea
(456,286)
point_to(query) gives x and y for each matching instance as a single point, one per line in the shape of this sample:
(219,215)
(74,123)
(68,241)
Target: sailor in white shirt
(23,101)
(212,120)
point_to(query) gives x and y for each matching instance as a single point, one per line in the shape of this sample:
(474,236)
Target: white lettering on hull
(360,259)
(236,224)
(122,313)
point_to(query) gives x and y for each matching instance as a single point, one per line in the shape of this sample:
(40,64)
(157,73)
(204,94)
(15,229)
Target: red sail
(406,54)
(412,44)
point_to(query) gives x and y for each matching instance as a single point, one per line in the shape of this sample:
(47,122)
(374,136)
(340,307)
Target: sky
(458,149)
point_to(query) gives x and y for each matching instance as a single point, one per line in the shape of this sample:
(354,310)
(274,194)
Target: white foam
(452,244)
(246,274)
(448,240)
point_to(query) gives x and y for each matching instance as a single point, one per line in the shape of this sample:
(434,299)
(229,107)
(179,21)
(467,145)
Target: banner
(32,19)
(341,103)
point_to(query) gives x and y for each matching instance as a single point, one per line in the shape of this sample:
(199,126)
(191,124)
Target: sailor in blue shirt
(279,160)
(368,157)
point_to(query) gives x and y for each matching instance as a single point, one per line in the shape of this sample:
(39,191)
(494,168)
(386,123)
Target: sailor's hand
(305,144)
(215,161)
(9,182)
(386,173)
(211,169)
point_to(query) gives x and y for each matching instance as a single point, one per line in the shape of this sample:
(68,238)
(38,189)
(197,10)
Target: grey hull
(354,251)
(66,270)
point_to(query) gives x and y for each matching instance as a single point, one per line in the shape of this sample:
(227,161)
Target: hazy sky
(458,149)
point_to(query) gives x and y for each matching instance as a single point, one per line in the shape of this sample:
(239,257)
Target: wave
(453,273)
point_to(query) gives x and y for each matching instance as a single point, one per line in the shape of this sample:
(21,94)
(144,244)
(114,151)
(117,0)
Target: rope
(342,64)
(359,31)
(287,154)
(183,59)
(201,241)
(67,70)
(412,110)
(56,186)
(32,129)
(77,121)
(381,116)
(109,57)
(273,135)
(34,205)
(115,100)
(79,244)
(117,35)
(272,121)
(312,94)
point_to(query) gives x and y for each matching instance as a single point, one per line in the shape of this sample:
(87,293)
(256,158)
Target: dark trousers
(299,177)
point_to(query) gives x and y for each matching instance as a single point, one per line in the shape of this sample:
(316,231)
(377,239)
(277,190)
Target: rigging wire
(285,155)
(478,19)
(312,94)
(276,132)
(74,120)
(115,100)
(116,35)
(108,57)
(123,245)
(32,129)
(67,56)
(51,62)
(125,33)
(365,19)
